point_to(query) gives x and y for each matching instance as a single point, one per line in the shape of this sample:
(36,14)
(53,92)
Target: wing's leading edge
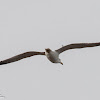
(21,56)
(77,45)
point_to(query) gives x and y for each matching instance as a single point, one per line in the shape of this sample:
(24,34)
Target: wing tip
(2,63)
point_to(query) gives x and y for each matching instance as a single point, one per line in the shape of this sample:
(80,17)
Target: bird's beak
(61,63)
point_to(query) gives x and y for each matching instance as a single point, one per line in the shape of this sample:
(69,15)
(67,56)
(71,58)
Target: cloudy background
(27,25)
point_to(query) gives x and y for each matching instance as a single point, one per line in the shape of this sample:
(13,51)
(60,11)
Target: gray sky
(27,25)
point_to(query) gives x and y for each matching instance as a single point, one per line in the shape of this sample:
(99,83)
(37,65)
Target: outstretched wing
(77,45)
(21,56)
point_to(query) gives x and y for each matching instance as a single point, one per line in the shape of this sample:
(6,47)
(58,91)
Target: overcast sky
(27,25)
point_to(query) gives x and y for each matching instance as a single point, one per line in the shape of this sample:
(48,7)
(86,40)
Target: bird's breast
(52,56)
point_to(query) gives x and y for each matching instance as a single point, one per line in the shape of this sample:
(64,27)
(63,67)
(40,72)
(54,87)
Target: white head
(60,61)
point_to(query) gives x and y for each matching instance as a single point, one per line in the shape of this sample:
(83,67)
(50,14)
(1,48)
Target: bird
(52,56)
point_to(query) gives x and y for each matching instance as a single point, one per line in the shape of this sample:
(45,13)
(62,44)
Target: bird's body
(53,56)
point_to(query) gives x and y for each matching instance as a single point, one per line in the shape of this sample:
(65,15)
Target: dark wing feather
(21,56)
(77,45)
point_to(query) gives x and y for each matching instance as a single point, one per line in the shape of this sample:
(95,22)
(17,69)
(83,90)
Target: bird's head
(48,50)
(60,61)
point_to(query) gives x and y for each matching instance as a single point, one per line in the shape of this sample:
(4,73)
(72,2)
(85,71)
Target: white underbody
(53,56)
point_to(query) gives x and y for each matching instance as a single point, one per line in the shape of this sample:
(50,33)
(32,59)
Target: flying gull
(52,56)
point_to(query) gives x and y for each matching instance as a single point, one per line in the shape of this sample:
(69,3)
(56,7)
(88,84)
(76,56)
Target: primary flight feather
(53,56)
